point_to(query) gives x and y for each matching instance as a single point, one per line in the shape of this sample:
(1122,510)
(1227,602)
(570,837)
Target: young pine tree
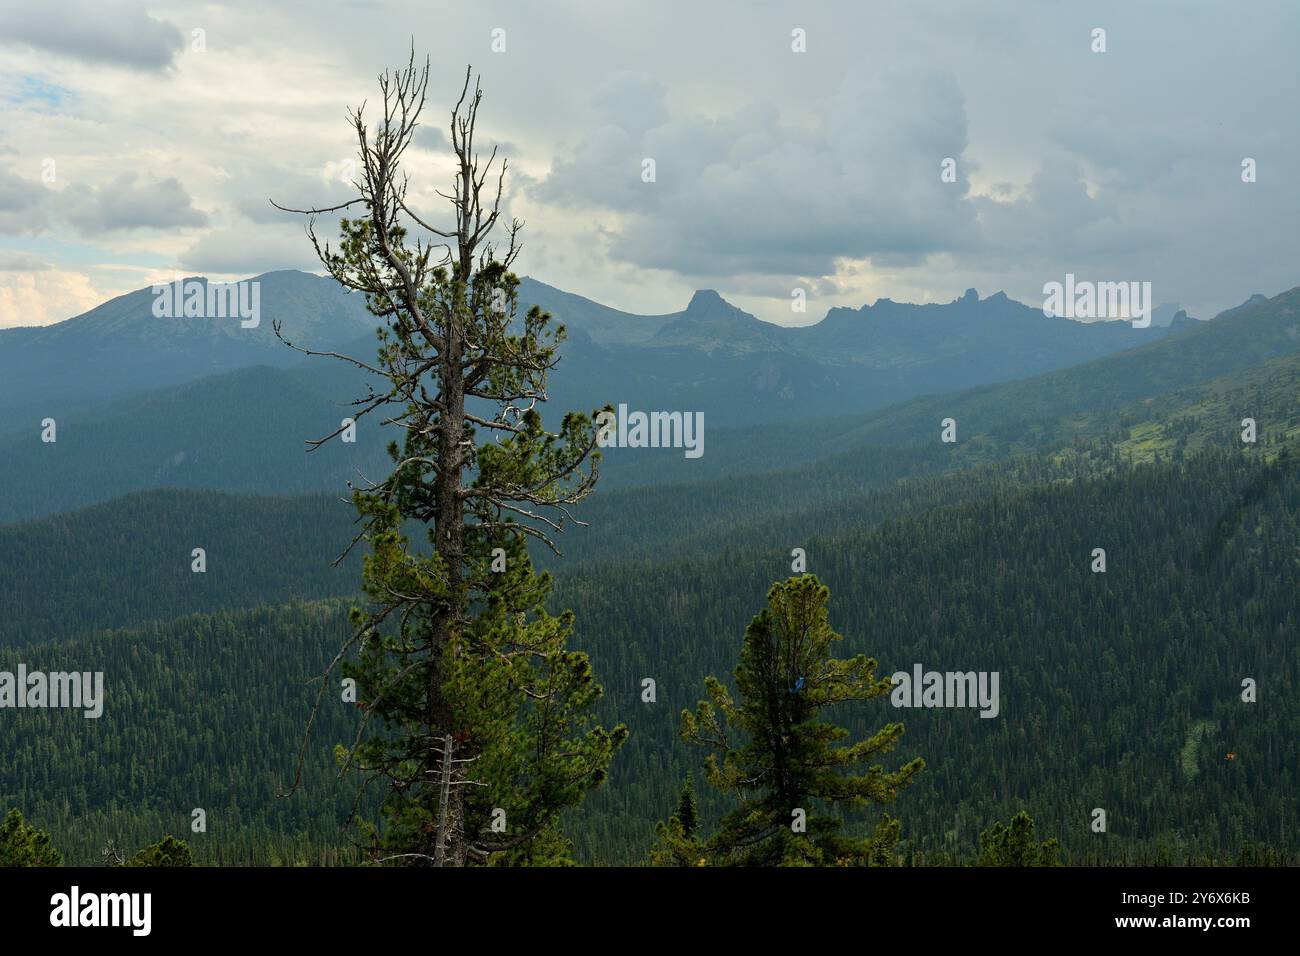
(687,813)
(677,840)
(780,757)
(485,729)
(1014,845)
(168,851)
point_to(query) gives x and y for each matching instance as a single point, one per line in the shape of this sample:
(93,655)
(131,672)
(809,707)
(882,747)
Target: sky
(142,140)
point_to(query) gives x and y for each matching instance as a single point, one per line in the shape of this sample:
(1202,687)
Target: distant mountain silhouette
(245,430)
(121,347)
(711,356)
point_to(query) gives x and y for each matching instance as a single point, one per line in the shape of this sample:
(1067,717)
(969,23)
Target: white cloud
(249,249)
(45,296)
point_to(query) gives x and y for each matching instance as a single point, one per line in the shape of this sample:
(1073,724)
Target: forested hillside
(130,561)
(865,483)
(78,570)
(1202,568)
(1119,689)
(244,431)
(203,712)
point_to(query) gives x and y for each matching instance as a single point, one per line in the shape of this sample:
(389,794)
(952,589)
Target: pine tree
(21,844)
(485,730)
(1014,845)
(168,851)
(792,777)
(686,810)
(549,848)
(677,841)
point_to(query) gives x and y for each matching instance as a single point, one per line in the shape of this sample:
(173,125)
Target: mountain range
(711,356)
(142,401)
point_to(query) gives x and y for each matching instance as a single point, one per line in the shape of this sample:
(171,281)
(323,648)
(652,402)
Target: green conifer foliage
(774,750)
(1014,845)
(477,719)
(677,840)
(168,851)
(21,844)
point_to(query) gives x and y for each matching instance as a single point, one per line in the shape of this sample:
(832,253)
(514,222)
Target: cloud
(293,189)
(632,101)
(130,201)
(44,296)
(122,34)
(127,202)
(430,137)
(14,261)
(1055,212)
(751,193)
(24,204)
(246,250)
(774,169)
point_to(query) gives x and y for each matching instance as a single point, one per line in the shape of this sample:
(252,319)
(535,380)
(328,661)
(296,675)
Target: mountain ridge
(246,430)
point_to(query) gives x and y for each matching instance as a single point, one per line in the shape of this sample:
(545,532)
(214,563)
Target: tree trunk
(449,525)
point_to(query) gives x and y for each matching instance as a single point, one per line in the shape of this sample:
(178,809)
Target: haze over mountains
(144,402)
(120,347)
(717,358)
(712,354)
